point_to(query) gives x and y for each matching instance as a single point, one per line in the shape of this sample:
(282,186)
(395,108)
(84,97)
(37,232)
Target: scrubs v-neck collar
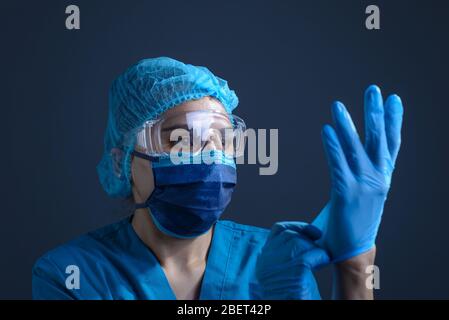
(214,279)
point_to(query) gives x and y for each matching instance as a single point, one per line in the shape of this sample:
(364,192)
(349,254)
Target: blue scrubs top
(115,264)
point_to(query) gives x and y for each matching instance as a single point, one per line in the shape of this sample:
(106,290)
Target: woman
(165,120)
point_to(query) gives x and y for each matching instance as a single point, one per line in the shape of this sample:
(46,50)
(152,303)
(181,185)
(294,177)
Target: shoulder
(86,245)
(83,253)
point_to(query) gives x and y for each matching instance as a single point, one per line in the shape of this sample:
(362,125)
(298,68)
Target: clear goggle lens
(192,132)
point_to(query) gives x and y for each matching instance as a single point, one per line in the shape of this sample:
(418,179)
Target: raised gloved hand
(360,175)
(284,267)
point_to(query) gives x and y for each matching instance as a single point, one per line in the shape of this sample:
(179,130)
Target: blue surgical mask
(189,198)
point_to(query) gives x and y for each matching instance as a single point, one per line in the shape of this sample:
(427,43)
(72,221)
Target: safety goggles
(192,132)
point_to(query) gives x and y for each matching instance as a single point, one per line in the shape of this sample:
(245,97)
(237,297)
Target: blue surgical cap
(143,92)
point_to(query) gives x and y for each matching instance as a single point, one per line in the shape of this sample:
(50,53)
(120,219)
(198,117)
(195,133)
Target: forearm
(350,278)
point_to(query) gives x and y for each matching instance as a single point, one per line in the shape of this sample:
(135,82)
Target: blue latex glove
(284,267)
(360,175)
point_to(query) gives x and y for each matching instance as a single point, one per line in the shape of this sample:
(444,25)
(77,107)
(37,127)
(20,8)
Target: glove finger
(375,138)
(316,258)
(393,122)
(279,227)
(348,137)
(336,159)
(308,230)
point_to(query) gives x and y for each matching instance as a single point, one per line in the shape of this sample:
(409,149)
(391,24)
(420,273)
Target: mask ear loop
(145,157)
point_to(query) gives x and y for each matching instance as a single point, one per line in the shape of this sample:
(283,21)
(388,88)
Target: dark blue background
(287,60)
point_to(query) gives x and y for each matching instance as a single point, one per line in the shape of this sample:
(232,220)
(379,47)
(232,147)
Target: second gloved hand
(360,175)
(284,267)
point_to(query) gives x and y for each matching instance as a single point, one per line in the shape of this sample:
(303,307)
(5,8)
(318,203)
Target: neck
(170,250)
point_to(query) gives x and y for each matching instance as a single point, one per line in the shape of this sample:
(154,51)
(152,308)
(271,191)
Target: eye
(185,141)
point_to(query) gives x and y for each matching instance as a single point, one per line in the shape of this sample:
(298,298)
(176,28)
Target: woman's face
(141,171)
